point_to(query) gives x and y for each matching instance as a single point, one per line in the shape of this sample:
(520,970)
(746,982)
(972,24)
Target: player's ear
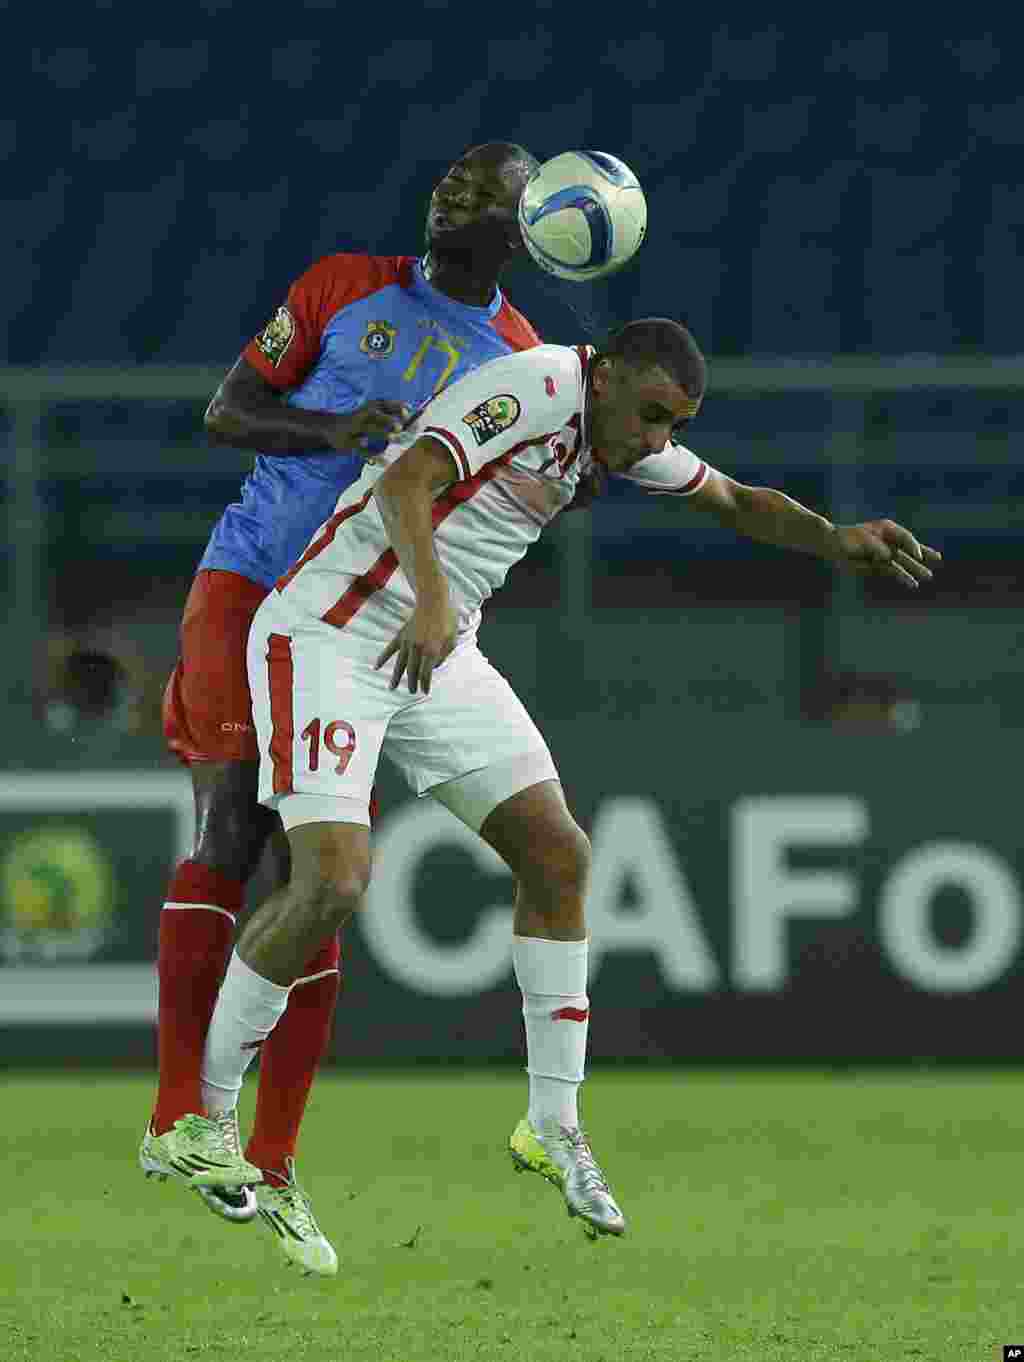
(601,373)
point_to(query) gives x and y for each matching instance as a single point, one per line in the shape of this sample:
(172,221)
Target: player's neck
(460,278)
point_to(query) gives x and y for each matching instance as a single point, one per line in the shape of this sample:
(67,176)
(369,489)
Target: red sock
(289,1059)
(197,927)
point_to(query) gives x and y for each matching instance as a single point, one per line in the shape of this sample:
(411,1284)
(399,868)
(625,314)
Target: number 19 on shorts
(338,738)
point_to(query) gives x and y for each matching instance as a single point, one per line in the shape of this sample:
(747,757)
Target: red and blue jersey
(354,328)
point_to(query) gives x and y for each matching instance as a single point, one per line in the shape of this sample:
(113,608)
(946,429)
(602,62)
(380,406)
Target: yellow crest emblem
(378,341)
(276,336)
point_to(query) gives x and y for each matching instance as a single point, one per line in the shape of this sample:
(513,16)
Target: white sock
(553,978)
(248,1008)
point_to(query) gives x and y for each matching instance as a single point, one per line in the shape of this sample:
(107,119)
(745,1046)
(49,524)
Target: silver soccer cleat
(563,1156)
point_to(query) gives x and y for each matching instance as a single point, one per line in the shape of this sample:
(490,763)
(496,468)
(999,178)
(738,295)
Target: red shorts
(207,711)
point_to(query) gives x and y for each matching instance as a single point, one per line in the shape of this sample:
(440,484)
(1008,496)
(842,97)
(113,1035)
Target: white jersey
(515,430)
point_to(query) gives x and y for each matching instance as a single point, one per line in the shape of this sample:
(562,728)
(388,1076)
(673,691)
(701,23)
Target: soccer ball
(582,214)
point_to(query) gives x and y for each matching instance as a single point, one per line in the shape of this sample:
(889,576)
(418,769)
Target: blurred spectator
(93,683)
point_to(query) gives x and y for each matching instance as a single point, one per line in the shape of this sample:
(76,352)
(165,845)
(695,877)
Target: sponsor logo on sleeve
(550,386)
(492,417)
(274,340)
(378,340)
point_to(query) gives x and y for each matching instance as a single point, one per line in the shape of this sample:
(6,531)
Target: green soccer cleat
(288,1212)
(199,1152)
(563,1156)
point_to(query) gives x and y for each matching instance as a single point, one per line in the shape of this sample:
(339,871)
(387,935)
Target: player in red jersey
(360,342)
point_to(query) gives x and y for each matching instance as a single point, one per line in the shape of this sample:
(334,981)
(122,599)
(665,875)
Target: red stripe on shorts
(577,1014)
(281,681)
(380,574)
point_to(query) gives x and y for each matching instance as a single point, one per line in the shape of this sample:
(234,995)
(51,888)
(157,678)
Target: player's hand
(421,645)
(377,420)
(881,548)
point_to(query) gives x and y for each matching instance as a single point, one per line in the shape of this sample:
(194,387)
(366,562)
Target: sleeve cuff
(694,485)
(451,443)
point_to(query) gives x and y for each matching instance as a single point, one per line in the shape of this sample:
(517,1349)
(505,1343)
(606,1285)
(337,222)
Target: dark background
(810,191)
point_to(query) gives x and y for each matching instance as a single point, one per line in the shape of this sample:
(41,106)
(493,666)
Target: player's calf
(327,888)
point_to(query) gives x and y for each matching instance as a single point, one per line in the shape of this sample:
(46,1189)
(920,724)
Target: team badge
(274,340)
(379,340)
(492,417)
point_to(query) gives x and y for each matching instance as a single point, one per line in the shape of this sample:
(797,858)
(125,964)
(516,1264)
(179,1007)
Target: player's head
(646,382)
(473,214)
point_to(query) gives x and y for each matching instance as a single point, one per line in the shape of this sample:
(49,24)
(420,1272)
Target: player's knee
(232,832)
(562,859)
(330,903)
(237,860)
(333,889)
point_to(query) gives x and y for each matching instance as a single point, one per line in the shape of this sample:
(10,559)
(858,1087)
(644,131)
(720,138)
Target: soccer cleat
(288,1213)
(198,1152)
(563,1156)
(235,1204)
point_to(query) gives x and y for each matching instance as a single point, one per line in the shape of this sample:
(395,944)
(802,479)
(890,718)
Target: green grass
(772,1216)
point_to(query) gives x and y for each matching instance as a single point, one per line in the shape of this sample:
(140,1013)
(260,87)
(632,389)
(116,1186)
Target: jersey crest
(275,338)
(378,340)
(490,418)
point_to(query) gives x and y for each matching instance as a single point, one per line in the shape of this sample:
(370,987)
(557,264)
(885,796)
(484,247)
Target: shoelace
(227,1123)
(219,1131)
(591,1177)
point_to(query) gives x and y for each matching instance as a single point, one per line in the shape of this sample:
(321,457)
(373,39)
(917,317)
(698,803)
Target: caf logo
(379,340)
(57,895)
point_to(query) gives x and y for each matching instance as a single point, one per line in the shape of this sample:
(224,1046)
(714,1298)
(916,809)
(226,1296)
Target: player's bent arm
(247,412)
(765,514)
(405,494)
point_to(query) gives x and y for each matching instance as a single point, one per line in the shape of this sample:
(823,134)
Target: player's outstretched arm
(874,548)
(404,494)
(247,412)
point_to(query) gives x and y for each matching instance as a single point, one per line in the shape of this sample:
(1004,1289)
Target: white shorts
(323,717)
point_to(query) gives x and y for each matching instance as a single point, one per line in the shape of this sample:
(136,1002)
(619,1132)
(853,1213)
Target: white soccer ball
(582,214)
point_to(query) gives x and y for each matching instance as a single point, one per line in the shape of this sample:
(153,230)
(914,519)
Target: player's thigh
(471,744)
(320,716)
(206,709)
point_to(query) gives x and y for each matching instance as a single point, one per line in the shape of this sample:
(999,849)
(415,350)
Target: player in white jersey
(390,591)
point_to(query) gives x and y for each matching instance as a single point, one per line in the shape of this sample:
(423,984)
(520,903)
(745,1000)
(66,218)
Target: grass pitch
(772,1216)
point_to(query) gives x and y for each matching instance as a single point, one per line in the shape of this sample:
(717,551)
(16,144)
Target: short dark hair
(663,342)
(510,153)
